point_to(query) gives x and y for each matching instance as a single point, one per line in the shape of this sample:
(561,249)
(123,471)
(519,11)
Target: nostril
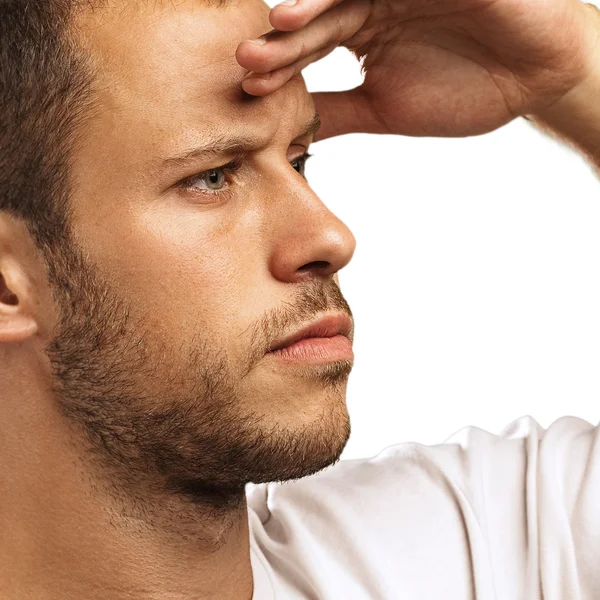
(6,296)
(10,299)
(317,264)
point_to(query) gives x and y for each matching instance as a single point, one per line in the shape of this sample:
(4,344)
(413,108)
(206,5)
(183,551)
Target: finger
(282,49)
(265,84)
(291,18)
(344,112)
(336,111)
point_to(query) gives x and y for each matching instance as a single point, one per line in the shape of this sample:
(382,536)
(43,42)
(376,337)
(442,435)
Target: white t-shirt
(514,516)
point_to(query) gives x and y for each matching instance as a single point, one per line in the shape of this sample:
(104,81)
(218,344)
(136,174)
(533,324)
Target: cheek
(187,271)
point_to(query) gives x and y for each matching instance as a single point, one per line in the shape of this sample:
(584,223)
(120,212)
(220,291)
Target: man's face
(184,279)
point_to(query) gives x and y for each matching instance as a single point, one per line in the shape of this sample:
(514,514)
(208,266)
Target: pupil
(214,177)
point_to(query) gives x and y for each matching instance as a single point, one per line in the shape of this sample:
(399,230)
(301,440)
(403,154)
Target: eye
(217,181)
(300,163)
(213,180)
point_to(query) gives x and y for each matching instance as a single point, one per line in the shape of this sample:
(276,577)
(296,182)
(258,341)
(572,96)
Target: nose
(308,239)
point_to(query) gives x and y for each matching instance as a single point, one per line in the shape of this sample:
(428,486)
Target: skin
(137,397)
(137,400)
(452,68)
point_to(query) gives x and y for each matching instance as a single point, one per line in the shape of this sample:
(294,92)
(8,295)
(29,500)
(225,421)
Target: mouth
(327,338)
(316,350)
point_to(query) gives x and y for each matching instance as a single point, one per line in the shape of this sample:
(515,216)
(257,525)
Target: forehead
(167,72)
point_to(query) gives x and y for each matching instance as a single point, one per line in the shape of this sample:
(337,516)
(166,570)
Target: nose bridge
(308,239)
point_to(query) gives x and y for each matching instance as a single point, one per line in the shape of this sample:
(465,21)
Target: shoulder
(454,518)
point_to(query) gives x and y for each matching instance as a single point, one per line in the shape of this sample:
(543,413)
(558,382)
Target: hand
(432,67)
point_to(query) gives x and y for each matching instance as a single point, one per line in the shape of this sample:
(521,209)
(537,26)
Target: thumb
(344,112)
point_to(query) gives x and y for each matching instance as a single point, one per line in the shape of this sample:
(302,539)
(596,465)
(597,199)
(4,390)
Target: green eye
(215,179)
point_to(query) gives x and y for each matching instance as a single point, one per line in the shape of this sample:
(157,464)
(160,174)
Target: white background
(475,284)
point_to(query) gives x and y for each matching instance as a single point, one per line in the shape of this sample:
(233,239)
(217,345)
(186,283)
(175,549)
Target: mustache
(306,304)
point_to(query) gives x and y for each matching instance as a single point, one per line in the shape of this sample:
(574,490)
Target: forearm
(575,118)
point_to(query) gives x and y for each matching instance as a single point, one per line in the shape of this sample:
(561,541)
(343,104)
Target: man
(161,255)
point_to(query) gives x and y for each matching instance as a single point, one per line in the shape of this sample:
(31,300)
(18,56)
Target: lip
(326,327)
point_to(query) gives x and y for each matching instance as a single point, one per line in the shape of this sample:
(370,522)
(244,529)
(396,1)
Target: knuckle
(303,50)
(337,29)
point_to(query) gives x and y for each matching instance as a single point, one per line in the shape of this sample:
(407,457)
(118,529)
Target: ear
(17,317)
(16,322)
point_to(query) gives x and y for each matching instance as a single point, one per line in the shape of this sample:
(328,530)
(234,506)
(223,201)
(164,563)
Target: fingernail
(288,3)
(258,41)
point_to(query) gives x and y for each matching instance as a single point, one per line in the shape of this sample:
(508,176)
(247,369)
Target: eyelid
(236,164)
(230,168)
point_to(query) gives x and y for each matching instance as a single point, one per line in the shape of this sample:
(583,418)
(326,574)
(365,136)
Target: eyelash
(231,168)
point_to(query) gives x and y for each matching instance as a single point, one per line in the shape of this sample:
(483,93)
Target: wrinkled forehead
(173,62)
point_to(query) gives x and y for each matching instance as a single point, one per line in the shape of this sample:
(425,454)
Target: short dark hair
(45,90)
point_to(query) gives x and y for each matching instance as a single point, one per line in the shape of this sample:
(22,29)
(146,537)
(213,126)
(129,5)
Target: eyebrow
(224,144)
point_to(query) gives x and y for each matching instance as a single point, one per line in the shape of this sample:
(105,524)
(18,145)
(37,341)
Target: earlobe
(16,324)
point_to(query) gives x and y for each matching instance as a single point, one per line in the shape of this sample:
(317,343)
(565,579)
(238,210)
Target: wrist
(576,116)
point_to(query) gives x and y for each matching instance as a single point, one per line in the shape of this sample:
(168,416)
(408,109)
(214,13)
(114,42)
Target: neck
(68,534)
